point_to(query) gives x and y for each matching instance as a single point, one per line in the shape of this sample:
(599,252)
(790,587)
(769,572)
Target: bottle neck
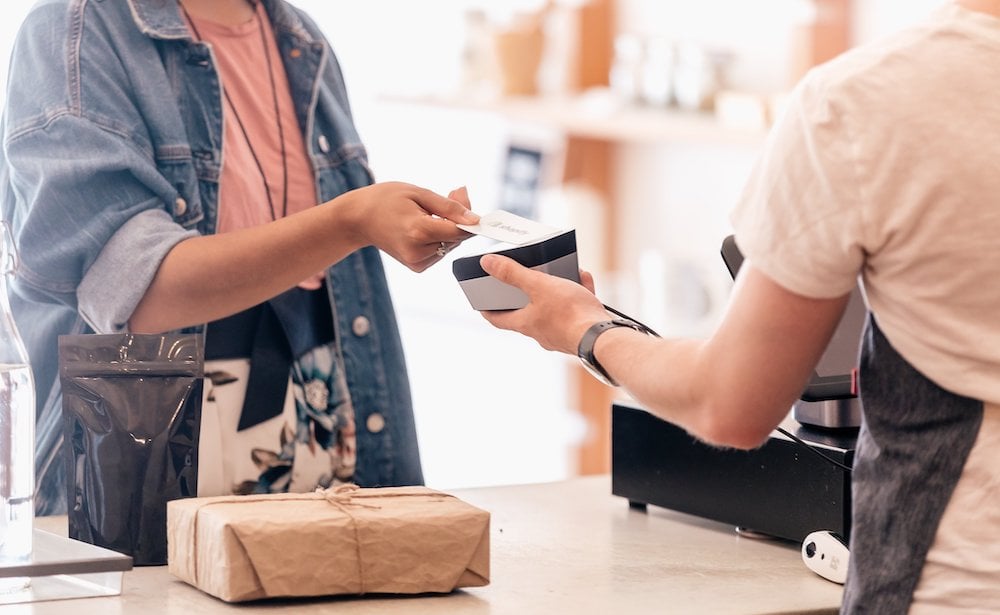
(12,351)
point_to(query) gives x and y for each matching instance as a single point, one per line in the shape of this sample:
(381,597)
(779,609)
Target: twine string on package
(343,540)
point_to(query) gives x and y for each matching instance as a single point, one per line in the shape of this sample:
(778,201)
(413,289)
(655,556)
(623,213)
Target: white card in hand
(509,228)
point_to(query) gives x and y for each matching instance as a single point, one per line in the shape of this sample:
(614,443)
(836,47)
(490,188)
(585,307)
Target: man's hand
(559,311)
(730,390)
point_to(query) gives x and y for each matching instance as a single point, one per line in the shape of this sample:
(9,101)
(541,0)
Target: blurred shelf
(597,118)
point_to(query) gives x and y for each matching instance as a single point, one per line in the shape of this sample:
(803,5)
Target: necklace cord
(239,120)
(277,115)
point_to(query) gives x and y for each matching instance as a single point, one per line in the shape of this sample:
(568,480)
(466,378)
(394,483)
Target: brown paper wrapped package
(344,540)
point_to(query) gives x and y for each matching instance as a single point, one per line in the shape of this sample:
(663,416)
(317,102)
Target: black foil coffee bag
(131,415)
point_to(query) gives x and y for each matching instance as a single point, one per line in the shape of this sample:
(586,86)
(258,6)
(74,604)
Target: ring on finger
(442,249)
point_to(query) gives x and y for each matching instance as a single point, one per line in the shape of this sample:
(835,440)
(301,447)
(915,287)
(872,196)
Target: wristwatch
(585,350)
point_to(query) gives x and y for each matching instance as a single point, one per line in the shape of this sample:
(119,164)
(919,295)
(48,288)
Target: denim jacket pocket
(343,171)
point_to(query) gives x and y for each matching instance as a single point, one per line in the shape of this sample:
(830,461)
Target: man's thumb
(501,268)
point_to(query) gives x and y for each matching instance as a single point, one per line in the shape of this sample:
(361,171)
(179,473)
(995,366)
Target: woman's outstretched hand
(413,225)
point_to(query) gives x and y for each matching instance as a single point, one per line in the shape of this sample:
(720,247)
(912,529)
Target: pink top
(242,61)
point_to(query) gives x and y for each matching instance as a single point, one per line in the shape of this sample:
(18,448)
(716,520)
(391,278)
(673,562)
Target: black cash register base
(784,488)
(781,489)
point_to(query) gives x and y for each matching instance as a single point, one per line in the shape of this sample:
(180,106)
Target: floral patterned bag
(310,443)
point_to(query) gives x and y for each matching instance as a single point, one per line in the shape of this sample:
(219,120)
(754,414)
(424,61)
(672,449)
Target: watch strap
(585,349)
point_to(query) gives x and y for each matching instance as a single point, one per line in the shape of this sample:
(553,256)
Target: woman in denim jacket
(112,170)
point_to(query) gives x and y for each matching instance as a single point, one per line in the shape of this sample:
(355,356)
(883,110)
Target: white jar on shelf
(626,68)
(697,76)
(657,73)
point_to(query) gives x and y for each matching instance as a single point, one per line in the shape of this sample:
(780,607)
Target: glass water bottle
(17,432)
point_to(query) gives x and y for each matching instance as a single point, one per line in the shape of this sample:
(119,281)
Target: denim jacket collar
(161,19)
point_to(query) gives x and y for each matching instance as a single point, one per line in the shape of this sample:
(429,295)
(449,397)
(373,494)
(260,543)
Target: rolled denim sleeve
(84,184)
(91,218)
(113,286)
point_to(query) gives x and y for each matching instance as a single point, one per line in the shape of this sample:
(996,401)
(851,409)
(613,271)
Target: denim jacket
(112,153)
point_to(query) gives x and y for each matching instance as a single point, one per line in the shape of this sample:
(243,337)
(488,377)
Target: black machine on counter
(798,482)
(781,489)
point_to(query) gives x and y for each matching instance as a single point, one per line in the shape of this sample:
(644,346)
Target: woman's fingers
(454,210)
(462,196)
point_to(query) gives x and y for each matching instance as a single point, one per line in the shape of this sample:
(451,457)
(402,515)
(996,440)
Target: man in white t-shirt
(886,166)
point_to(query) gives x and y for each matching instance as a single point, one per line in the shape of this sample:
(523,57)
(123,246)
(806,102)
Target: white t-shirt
(886,165)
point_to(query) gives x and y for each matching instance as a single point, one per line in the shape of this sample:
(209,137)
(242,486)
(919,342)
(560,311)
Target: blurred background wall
(647,115)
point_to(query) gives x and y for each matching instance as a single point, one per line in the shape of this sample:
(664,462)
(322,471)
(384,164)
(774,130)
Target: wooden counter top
(568,547)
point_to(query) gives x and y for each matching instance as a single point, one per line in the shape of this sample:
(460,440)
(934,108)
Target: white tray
(62,568)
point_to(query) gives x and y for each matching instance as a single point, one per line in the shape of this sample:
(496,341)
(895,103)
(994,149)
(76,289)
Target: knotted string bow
(340,496)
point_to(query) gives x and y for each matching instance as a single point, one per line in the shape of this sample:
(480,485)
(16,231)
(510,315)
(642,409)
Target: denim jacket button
(375,422)
(324,144)
(361,326)
(180,206)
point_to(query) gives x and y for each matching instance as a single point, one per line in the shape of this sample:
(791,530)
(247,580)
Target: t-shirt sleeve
(799,217)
